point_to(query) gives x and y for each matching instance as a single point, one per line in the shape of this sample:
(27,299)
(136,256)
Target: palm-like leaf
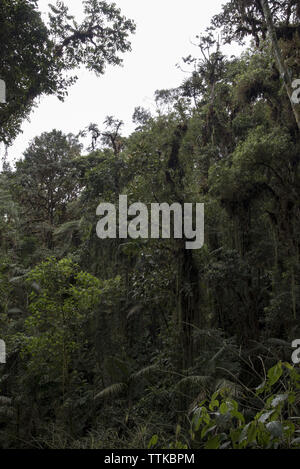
(194,380)
(111,391)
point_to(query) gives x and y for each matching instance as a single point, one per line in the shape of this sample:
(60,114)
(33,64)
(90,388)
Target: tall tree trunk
(188,288)
(283,69)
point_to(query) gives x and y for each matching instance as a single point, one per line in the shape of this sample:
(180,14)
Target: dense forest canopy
(140,343)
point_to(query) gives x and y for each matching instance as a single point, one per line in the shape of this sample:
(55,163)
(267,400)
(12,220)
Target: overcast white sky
(164,31)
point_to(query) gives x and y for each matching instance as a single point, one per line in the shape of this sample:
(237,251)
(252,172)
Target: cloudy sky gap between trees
(165,32)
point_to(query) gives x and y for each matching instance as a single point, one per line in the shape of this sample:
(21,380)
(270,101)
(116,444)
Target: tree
(109,138)
(240,19)
(280,20)
(46,180)
(36,59)
(284,71)
(62,300)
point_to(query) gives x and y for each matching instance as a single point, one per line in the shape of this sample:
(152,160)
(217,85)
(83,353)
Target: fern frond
(67,228)
(274,341)
(134,310)
(144,372)
(194,380)
(111,391)
(229,386)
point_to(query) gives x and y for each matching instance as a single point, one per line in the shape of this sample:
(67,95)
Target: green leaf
(213,404)
(213,443)
(275,373)
(261,387)
(153,441)
(265,416)
(207,429)
(252,432)
(275,428)
(238,415)
(224,408)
